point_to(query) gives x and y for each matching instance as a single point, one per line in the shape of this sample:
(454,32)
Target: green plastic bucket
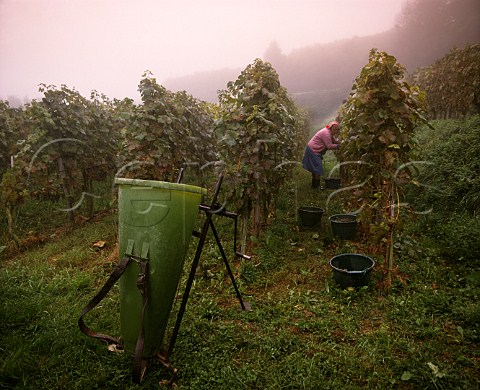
(157,217)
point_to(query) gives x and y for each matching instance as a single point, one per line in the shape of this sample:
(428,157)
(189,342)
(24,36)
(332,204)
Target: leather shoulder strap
(115,275)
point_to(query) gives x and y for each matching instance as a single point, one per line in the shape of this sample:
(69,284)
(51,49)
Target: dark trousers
(315,180)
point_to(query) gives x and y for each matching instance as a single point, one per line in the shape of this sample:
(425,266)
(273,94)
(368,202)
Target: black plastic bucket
(310,215)
(332,183)
(351,270)
(344,226)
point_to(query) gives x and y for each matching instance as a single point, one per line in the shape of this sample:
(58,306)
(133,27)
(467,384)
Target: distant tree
(274,55)
(14,101)
(427,29)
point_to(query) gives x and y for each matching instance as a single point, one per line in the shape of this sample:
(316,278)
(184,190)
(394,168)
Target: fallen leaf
(436,370)
(114,348)
(99,244)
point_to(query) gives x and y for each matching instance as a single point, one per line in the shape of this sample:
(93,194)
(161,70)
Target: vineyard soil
(303,330)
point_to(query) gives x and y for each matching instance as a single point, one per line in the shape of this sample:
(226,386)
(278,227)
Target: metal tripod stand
(214,209)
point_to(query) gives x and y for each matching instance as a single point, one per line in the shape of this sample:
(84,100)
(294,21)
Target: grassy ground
(303,331)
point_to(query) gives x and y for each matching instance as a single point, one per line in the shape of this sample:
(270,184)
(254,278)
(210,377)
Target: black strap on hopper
(139,362)
(115,275)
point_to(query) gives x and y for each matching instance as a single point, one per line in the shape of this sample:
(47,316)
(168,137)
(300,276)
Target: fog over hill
(320,76)
(108,45)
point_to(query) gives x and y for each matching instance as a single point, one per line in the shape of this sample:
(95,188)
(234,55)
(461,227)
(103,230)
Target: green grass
(303,331)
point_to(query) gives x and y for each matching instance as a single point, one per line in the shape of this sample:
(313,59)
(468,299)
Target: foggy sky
(106,45)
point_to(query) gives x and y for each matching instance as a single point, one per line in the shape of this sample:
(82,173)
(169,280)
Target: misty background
(317,47)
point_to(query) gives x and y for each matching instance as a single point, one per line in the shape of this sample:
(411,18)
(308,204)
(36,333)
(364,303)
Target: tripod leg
(222,252)
(193,270)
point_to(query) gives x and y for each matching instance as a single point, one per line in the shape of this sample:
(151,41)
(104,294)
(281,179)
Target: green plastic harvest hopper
(156,221)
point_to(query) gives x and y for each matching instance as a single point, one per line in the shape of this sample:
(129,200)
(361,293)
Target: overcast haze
(107,45)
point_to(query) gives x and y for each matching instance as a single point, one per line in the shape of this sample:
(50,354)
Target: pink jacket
(323,141)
